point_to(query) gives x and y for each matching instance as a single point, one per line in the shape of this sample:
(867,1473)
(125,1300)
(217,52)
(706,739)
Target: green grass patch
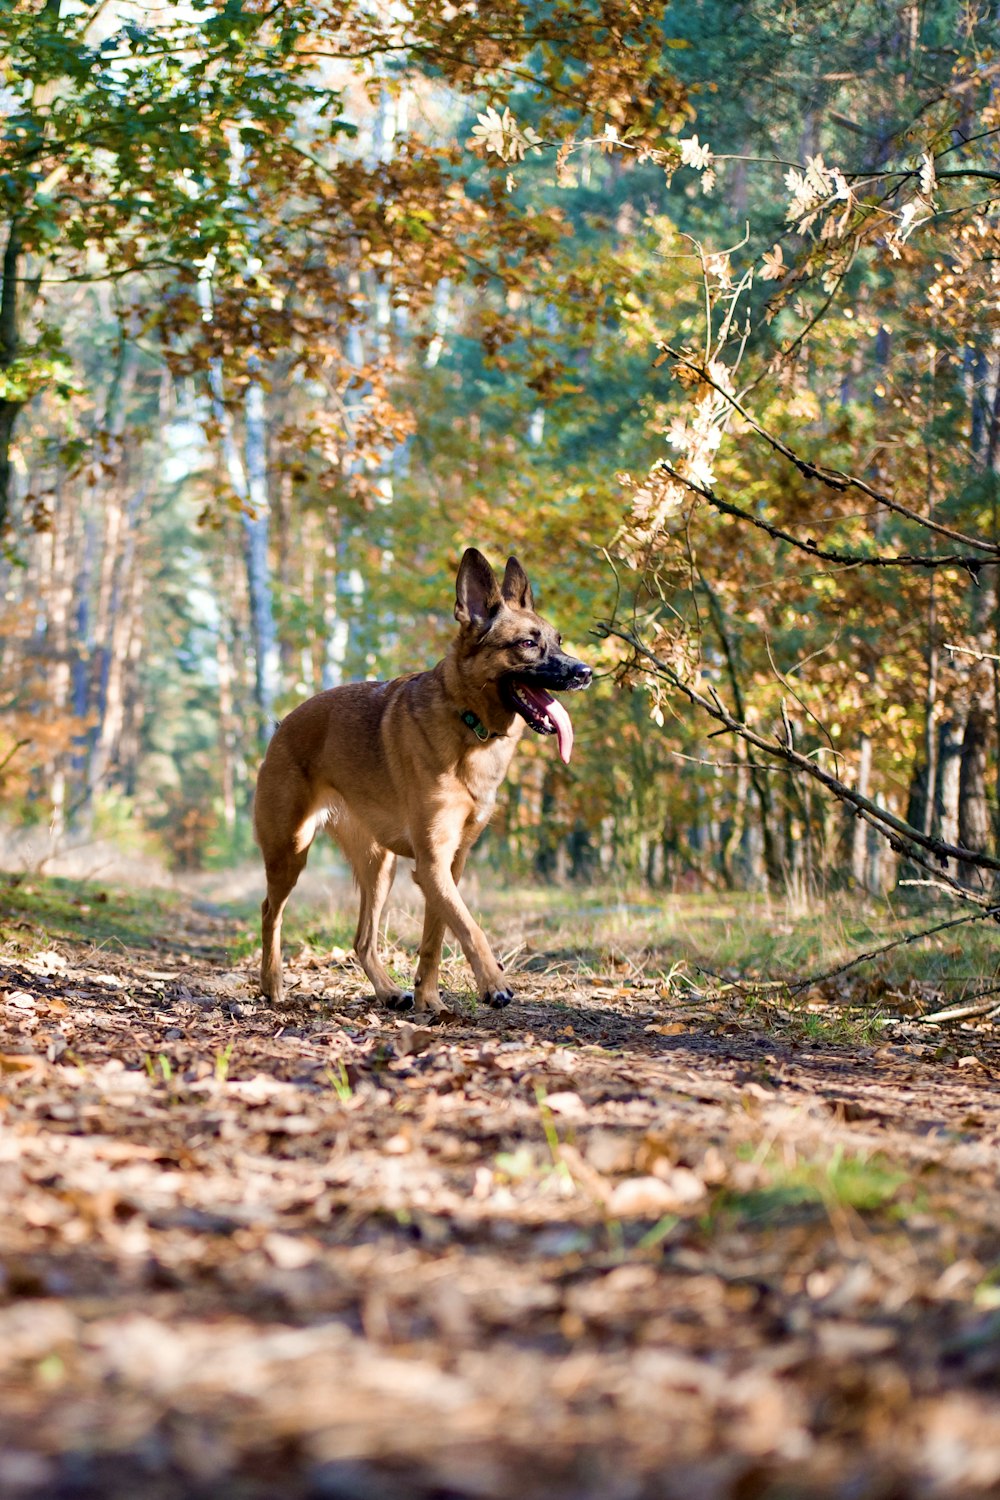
(743,935)
(865,1184)
(838,1028)
(38,910)
(317,926)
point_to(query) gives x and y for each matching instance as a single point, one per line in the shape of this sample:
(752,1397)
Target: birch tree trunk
(256,532)
(247,474)
(123,626)
(60,594)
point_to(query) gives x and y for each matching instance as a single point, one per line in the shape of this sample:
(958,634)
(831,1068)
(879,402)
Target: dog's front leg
(426,994)
(445,907)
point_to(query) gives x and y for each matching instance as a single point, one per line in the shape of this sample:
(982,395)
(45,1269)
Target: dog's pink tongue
(564,727)
(557,716)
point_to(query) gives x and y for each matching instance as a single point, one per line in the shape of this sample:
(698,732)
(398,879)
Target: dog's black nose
(582,674)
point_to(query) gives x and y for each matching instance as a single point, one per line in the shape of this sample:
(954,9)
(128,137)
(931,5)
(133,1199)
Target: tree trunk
(256,528)
(930,715)
(123,619)
(285,525)
(334,629)
(951,734)
(128,748)
(973,808)
(105,497)
(247,475)
(10,343)
(59,598)
(227,727)
(84,642)
(859,828)
(8,416)
(772,855)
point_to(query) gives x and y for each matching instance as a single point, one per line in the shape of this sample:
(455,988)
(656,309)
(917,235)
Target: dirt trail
(603,1246)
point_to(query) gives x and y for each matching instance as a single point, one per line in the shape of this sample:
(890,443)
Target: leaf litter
(622,1240)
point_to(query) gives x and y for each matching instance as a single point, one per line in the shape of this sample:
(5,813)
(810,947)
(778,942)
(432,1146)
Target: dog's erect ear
(515,588)
(477,593)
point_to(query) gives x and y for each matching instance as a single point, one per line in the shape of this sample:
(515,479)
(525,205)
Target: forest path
(608,1243)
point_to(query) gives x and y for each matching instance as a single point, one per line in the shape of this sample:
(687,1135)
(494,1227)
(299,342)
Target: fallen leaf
(48,961)
(841,1340)
(411,1040)
(610,1151)
(20,999)
(649,1197)
(566,1103)
(17,1063)
(289,1252)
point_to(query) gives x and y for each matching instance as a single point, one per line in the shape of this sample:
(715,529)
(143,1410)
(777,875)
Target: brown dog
(412,767)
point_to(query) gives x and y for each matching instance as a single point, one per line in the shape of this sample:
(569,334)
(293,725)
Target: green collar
(476,725)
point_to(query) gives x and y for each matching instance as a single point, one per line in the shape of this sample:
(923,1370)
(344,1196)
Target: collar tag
(475,724)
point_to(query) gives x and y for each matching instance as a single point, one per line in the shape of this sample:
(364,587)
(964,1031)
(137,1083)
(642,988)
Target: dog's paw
(272,988)
(401,1002)
(498,998)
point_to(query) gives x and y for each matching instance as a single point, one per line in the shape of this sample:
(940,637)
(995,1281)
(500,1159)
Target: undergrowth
(689,947)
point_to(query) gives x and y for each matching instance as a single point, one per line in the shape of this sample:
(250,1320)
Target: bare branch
(18,745)
(901,835)
(931,560)
(976,655)
(833,479)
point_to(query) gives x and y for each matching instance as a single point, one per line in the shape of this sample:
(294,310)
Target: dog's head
(504,643)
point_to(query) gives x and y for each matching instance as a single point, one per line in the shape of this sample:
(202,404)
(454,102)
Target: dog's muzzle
(528,694)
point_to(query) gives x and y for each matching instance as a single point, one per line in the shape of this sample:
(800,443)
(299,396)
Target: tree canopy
(694,306)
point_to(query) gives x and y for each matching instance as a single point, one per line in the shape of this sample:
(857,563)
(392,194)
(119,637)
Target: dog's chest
(482,774)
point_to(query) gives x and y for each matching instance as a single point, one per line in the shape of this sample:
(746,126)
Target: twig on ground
(958,1013)
(742,985)
(797,987)
(913,937)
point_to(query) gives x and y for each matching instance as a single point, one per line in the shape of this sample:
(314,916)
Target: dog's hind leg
(285,829)
(374,870)
(283,864)
(282,873)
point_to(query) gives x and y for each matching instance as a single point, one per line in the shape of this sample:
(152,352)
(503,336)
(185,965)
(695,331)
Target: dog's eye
(528,645)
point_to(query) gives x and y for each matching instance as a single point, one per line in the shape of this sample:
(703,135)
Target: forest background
(693,306)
